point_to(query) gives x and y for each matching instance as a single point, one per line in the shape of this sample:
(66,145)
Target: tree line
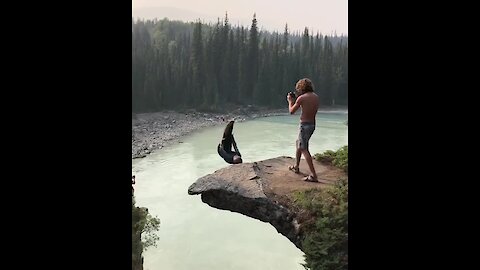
(178,65)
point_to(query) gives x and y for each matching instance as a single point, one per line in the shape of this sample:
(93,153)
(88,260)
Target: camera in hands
(292,95)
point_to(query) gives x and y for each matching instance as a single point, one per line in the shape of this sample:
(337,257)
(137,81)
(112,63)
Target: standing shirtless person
(309,103)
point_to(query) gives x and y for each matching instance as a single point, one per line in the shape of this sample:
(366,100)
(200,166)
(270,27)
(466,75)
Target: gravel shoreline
(151,131)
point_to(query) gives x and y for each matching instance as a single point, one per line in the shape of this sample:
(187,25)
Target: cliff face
(138,216)
(263,190)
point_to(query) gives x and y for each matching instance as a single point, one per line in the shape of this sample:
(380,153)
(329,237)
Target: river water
(195,236)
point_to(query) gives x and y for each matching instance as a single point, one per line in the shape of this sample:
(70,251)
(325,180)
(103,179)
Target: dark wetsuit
(224,148)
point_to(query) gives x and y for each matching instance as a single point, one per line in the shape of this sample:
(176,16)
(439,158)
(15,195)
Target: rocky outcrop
(263,190)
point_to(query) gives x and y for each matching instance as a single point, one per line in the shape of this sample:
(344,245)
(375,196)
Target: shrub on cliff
(144,228)
(326,241)
(338,158)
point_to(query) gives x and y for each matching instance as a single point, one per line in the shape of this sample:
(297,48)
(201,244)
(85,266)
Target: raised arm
(294,105)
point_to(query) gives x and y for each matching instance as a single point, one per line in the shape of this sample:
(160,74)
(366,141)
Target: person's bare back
(309,103)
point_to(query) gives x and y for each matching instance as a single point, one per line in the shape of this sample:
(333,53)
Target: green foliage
(150,227)
(177,65)
(327,156)
(326,241)
(144,228)
(338,158)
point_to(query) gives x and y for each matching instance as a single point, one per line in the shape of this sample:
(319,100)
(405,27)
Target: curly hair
(304,85)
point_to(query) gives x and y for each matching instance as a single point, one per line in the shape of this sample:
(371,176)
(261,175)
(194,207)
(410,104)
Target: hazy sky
(325,16)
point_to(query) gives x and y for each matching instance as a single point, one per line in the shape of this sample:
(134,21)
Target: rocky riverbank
(152,131)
